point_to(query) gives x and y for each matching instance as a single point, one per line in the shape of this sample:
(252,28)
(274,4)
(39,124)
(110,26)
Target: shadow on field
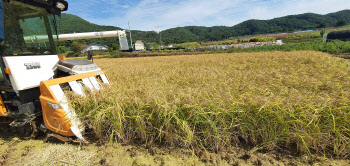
(6,132)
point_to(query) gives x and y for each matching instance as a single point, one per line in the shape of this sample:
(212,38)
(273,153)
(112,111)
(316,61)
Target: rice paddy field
(267,108)
(290,101)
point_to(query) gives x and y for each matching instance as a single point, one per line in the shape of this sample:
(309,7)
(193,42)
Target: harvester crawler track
(26,131)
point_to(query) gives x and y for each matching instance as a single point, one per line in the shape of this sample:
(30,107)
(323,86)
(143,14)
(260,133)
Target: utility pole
(132,48)
(160,33)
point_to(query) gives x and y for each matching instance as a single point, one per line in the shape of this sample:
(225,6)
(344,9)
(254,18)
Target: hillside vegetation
(71,23)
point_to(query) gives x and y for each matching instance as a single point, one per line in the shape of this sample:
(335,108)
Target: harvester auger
(33,76)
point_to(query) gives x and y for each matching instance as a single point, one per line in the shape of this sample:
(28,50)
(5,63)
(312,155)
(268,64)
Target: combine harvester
(32,75)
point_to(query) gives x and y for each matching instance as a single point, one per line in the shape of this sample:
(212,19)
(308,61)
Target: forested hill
(71,23)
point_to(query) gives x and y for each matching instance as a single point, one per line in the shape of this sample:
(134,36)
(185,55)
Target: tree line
(71,23)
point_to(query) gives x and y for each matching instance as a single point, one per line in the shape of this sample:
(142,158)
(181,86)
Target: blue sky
(159,15)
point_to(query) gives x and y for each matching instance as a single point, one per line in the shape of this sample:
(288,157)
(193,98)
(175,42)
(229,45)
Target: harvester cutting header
(32,75)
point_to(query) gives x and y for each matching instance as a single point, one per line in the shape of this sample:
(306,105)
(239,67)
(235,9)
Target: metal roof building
(94,47)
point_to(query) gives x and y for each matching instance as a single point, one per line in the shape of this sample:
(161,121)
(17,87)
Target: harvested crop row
(298,101)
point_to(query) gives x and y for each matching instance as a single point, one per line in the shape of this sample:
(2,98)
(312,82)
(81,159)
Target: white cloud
(164,14)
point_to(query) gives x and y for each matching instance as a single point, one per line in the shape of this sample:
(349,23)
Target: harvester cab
(33,76)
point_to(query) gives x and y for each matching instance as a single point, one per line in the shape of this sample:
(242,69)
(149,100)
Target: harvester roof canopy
(50,5)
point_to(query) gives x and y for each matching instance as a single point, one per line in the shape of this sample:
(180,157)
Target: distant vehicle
(338,35)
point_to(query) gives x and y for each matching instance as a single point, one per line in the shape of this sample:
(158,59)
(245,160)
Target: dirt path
(14,151)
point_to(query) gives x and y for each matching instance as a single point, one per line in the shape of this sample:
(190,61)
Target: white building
(94,47)
(139,45)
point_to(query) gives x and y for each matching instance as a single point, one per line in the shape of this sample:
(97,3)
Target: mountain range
(71,23)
